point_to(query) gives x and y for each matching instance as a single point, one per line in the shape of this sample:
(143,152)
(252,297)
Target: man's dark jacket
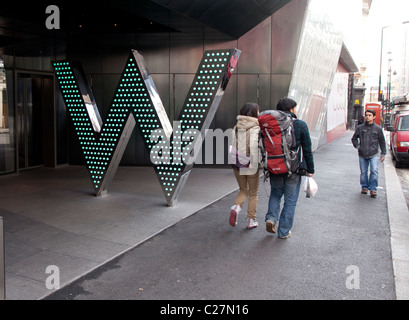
(367,139)
(302,135)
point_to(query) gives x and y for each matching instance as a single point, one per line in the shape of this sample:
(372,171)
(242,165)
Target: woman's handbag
(237,159)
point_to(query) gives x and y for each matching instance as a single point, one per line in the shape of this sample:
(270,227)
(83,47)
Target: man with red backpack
(287,184)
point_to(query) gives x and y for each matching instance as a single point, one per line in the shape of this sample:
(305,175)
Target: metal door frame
(17,73)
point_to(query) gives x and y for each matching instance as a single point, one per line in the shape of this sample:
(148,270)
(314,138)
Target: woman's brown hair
(250,109)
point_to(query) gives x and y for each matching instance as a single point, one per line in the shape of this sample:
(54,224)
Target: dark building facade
(288,48)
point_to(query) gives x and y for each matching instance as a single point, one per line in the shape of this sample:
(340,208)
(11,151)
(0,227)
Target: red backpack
(278,142)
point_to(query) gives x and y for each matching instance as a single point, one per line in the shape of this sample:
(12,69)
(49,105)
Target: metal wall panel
(91,55)
(247,89)
(156,52)
(279,87)
(180,85)
(62,130)
(228,109)
(108,84)
(157,60)
(256,48)
(112,61)
(286,29)
(264,91)
(135,152)
(185,56)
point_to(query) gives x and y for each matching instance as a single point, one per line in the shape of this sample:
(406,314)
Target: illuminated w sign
(137,102)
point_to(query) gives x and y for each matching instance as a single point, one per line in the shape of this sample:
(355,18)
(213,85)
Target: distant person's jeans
(289,187)
(369,178)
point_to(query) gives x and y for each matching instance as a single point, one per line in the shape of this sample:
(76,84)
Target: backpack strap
(269,137)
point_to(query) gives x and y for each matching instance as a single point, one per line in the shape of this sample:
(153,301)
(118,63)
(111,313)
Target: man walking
(368,137)
(288,186)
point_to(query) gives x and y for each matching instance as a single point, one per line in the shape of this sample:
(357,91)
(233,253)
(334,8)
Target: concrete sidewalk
(52,218)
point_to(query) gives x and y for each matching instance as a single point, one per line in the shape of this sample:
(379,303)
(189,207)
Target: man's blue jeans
(289,187)
(369,178)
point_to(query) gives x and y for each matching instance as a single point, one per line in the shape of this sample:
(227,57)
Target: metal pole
(2,265)
(380,98)
(380,68)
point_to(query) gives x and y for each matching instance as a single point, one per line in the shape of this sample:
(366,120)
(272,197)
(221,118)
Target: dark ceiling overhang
(233,18)
(228,19)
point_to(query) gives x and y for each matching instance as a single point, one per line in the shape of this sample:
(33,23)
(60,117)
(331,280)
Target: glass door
(33,98)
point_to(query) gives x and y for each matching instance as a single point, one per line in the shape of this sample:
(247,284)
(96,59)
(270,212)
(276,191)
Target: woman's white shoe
(251,223)
(234,214)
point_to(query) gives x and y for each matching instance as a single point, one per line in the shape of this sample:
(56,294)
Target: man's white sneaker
(251,223)
(234,213)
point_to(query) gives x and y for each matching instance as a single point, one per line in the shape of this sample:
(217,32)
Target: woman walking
(246,138)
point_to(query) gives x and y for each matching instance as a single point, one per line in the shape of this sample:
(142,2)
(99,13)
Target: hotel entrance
(35,120)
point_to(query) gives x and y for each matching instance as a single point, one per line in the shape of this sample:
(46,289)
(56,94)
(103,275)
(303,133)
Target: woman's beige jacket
(248,127)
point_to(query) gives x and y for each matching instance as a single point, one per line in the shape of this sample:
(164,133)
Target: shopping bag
(309,186)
